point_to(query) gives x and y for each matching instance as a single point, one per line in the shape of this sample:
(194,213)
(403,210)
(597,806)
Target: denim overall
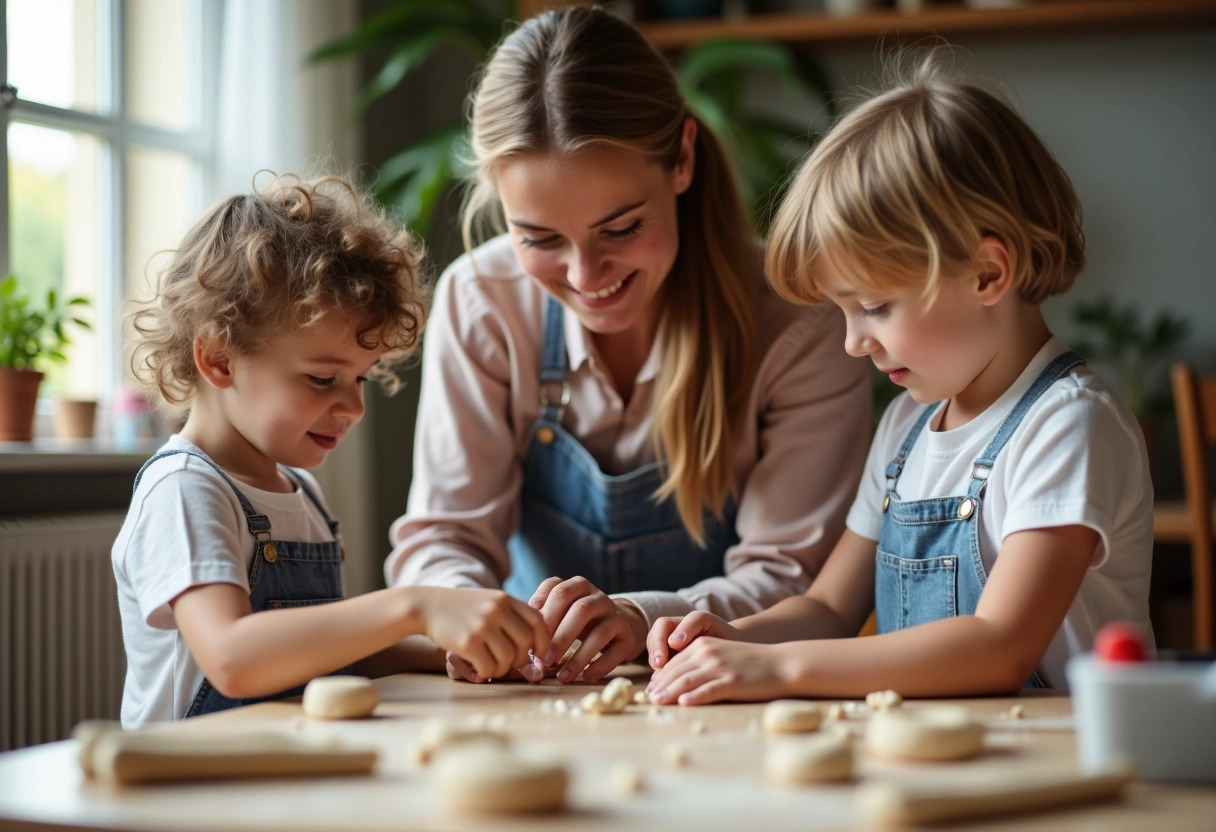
(283,574)
(577,520)
(929,565)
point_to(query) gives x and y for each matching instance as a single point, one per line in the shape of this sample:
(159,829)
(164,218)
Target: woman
(618,421)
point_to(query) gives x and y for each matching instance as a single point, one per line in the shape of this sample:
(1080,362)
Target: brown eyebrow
(625,209)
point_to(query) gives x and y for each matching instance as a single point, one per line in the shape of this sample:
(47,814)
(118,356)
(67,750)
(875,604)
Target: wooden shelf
(1036,18)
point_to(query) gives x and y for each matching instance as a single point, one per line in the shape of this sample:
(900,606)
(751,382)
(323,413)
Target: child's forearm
(273,650)
(958,656)
(798,618)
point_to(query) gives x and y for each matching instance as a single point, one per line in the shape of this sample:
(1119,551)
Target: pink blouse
(797,462)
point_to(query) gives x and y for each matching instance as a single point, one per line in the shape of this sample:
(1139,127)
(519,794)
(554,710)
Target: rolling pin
(915,804)
(129,757)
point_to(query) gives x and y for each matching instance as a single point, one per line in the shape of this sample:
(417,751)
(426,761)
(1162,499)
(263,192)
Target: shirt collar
(580,350)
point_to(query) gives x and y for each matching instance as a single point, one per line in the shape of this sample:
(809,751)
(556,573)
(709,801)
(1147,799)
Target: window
(107,114)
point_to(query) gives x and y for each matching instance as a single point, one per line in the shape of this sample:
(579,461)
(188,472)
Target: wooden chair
(1195,403)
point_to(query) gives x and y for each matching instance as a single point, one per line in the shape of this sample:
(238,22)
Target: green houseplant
(713,76)
(1132,349)
(29,336)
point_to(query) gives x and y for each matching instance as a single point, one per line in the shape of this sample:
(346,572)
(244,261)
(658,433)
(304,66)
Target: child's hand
(713,670)
(487,628)
(672,634)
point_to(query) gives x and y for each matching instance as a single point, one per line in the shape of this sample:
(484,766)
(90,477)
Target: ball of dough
(930,733)
(340,697)
(816,759)
(790,716)
(483,780)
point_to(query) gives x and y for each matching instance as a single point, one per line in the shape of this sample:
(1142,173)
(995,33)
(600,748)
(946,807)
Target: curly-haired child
(272,314)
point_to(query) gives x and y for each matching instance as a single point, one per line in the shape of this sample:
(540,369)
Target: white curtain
(277,112)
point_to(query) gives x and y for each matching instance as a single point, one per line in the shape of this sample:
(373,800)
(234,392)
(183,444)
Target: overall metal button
(965,508)
(886,501)
(544,436)
(269,552)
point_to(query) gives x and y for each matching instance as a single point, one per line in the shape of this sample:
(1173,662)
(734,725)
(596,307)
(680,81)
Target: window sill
(75,455)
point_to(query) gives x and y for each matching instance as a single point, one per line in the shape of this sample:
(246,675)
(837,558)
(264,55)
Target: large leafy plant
(714,76)
(29,335)
(1133,349)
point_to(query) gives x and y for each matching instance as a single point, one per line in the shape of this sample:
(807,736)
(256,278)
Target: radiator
(61,654)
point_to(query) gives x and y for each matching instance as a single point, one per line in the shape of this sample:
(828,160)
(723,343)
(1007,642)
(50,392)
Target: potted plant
(1132,350)
(28,338)
(713,76)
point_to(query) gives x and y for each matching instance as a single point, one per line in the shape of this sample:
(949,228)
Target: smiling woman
(618,420)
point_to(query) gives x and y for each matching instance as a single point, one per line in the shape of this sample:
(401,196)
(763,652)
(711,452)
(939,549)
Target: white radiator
(61,654)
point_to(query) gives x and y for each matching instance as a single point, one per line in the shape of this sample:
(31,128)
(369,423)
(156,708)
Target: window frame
(117,134)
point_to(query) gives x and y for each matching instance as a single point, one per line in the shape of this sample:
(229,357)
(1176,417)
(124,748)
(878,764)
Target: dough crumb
(837,712)
(1017,712)
(883,700)
(627,780)
(697,727)
(675,755)
(611,700)
(640,698)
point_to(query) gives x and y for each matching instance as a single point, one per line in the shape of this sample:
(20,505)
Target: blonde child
(1005,512)
(276,309)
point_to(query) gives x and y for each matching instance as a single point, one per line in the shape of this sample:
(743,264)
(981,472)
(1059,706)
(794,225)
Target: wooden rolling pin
(915,804)
(127,757)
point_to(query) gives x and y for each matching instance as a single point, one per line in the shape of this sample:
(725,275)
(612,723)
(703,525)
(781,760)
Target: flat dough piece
(938,732)
(439,736)
(340,697)
(815,759)
(478,779)
(791,716)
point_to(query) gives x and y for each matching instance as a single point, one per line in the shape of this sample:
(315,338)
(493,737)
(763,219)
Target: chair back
(1195,404)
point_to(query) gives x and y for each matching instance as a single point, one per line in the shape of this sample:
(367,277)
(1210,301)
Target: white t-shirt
(1078,458)
(186,528)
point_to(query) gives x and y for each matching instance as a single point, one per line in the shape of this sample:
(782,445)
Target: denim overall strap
(929,565)
(577,520)
(259,524)
(553,365)
(282,574)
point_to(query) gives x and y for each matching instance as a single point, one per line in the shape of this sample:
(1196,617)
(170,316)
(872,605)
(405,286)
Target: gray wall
(1132,118)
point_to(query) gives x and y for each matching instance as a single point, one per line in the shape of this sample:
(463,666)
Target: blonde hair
(903,188)
(276,258)
(569,80)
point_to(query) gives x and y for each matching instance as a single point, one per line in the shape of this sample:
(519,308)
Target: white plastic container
(1161,714)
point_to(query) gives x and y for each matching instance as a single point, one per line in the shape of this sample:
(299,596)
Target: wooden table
(721,788)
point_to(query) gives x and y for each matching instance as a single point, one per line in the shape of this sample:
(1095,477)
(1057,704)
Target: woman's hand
(575,609)
(672,634)
(714,670)
(485,630)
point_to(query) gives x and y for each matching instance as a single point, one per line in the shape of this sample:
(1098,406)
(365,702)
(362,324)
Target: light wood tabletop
(722,786)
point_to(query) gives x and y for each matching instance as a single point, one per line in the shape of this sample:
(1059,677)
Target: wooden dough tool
(914,804)
(129,757)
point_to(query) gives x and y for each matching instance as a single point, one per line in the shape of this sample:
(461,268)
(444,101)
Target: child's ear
(213,363)
(995,271)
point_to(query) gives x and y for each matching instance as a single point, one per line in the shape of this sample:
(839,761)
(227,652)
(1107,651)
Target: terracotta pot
(74,419)
(18,398)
